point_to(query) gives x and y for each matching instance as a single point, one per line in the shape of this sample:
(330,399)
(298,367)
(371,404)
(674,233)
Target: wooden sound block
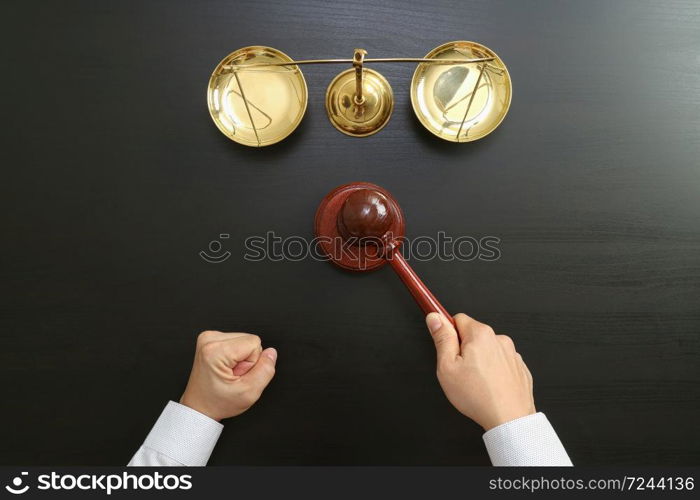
(343,251)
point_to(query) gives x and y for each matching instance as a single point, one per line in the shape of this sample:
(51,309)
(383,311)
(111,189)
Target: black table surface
(115,178)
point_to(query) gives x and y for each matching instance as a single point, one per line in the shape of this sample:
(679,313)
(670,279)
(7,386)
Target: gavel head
(355,225)
(366,216)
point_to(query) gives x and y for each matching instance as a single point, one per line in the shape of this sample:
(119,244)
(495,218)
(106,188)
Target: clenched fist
(480,372)
(229,374)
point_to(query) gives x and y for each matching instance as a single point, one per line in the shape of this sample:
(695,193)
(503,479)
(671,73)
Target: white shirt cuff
(526,441)
(184,435)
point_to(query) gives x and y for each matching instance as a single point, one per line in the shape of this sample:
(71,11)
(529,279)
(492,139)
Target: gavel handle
(426,300)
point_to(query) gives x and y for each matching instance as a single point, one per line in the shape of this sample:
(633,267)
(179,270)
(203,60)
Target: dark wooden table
(114,178)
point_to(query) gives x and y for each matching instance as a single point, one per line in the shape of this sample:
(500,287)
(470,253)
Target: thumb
(264,369)
(444,335)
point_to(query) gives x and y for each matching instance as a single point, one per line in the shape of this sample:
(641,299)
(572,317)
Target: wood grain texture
(114,178)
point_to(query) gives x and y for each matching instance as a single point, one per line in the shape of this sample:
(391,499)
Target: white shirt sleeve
(526,441)
(181,436)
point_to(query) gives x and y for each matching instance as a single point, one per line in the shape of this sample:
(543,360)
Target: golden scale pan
(460,92)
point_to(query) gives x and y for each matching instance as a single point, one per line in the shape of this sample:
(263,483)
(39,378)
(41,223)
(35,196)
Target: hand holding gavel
(481,373)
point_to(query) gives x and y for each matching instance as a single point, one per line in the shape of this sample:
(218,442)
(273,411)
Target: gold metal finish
(359,101)
(241,67)
(465,101)
(257,108)
(357,64)
(460,91)
(359,120)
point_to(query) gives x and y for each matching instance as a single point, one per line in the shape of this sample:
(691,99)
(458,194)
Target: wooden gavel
(360,227)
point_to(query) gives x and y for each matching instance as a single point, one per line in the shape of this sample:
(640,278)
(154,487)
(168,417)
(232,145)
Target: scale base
(367,118)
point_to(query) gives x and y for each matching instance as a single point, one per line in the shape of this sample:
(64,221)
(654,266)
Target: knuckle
(462,320)
(205,336)
(506,341)
(208,350)
(255,339)
(483,330)
(267,370)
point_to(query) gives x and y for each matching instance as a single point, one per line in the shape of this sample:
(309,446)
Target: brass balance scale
(460,91)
